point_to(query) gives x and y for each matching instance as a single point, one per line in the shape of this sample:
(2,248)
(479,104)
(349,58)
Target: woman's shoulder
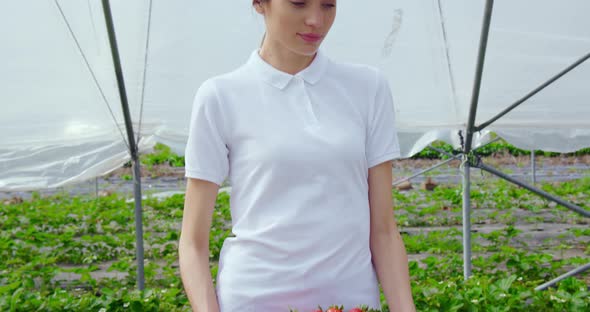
(211,90)
(356,72)
(354,69)
(231,79)
(359,76)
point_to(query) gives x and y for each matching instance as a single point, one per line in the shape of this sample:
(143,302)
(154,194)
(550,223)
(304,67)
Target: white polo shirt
(297,149)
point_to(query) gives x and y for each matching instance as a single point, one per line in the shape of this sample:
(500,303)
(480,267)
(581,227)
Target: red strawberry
(362,308)
(319,309)
(335,308)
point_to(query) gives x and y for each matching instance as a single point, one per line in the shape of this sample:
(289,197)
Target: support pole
(481,54)
(425,170)
(533,189)
(466,218)
(535,91)
(469,139)
(548,196)
(573,272)
(443,152)
(533,168)
(132,145)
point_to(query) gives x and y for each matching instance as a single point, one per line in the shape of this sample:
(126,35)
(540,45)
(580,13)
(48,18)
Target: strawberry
(362,308)
(335,308)
(319,309)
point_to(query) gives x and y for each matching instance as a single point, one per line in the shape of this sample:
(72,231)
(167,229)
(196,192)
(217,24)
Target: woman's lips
(309,37)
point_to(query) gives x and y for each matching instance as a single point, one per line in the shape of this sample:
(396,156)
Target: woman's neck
(284,59)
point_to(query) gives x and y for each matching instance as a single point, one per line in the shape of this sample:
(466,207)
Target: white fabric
(299,198)
(56,127)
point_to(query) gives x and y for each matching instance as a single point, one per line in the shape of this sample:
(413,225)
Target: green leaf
(9,288)
(15,299)
(136,306)
(505,283)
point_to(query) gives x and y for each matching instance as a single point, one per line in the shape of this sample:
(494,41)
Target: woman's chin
(308,49)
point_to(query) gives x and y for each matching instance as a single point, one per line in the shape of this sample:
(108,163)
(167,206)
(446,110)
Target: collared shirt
(296,149)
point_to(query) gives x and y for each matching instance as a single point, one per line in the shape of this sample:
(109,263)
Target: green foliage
(429,153)
(497,147)
(162,155)
(44,238)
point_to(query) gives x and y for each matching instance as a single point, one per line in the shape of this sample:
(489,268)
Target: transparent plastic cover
(61,117)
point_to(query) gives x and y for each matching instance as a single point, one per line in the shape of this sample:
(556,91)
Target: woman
(307,144)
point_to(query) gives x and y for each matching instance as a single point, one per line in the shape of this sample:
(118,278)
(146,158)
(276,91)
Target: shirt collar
(279,79)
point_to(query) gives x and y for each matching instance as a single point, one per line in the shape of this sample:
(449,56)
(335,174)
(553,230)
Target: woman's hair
(258,1)
(254,2)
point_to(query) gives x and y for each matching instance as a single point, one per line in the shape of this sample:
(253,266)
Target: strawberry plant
(77,253)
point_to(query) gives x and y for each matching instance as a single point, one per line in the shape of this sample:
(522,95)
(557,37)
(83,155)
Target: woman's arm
(193,246)
(387,247)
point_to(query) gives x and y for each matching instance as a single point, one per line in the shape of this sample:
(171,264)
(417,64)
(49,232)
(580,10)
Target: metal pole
(544,194)
(483,43)
(466,218)
(426,170)
(469,139)
(132,145)
(533,168)
(535,91)
(451,158)
(533,189)
(138,223)
(564,276)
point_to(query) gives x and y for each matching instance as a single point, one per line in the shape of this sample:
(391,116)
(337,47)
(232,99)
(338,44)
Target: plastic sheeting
(61,118)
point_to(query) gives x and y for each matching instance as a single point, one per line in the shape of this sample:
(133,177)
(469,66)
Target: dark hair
(258,1)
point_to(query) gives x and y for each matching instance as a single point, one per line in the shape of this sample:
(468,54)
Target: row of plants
(163,155)
(42,240)
(497,147)
(437,285)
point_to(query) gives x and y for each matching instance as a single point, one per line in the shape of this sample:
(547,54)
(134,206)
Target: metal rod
(483,43)
(533,189)
(496,139)
(451,158)
(564,276)
(426,170)
(138,223)
(533,168)
(535,91)
(130,137)
(442,151)
(466,219)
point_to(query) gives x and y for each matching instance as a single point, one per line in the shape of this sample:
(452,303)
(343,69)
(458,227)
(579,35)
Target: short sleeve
(206,154)
(382,143)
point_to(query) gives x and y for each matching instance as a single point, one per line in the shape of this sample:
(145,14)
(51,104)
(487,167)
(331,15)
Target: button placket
(310,118)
